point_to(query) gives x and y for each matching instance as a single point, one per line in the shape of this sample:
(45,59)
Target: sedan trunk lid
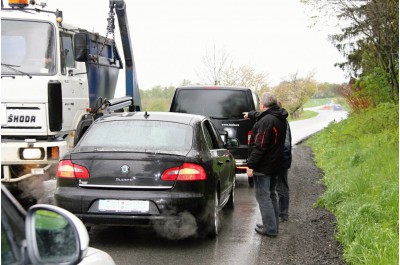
(127,170)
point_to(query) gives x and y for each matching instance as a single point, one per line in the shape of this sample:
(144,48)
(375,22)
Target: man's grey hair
(268,99)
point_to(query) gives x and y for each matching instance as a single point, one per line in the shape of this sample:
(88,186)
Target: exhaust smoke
(182,227)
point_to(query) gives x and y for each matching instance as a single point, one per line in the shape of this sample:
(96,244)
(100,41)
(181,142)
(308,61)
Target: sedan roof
(213,87)
(154,116)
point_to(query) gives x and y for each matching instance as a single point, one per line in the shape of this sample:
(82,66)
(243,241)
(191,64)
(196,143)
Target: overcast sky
(170,38)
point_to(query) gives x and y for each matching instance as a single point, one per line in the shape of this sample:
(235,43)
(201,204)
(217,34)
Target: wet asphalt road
(302,129)
(237,242)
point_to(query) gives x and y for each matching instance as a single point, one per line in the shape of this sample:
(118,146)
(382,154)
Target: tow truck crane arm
(131,83)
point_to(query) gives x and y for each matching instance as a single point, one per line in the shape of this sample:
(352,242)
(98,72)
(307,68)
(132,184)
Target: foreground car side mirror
(55,236)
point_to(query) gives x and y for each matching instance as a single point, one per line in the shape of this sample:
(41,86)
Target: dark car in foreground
(224,105)
(151,168)
(46,234)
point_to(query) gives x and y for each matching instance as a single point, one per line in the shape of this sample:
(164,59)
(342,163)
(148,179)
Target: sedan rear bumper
(126,220)
(163,205)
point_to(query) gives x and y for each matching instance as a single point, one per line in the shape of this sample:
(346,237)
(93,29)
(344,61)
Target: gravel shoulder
(308,236)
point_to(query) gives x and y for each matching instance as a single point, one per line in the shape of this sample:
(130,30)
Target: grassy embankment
(360,158)
(314,102)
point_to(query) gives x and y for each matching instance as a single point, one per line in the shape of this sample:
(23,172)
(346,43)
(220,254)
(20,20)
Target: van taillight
(248,137)
(186,172)
(67,169)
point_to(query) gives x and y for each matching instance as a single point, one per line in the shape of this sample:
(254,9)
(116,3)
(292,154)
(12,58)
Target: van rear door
(224,106)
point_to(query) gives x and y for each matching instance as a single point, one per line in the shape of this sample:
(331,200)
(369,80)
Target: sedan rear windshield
(144,136)
(214,103)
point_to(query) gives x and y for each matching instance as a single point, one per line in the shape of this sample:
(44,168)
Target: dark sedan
(161,169)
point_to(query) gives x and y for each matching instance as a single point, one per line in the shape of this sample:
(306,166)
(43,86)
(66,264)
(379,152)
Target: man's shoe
(283,219)
(260,226)
(261,232)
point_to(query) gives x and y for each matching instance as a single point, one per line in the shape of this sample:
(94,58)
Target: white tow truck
(56,78)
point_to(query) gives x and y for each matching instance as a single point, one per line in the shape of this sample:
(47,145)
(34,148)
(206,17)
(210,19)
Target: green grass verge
(314,102)
(360,159)
(307,114)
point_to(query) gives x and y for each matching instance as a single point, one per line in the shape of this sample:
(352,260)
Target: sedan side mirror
(55,236)
(224,136)
(232,143)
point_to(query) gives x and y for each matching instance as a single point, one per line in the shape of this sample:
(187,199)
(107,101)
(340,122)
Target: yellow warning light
(59,16)
(18,3)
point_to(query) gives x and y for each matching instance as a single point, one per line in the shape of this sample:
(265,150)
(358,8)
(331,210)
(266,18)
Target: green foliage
(306,114)
(315,102)
(294,93)
(327,90)
(369,42)
(157,99)
(360,159)
(376,86)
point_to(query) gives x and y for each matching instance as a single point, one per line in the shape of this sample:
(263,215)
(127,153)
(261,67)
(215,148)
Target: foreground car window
(12,231)
(139,135)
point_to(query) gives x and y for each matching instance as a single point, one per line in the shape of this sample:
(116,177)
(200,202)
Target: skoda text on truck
(56,78)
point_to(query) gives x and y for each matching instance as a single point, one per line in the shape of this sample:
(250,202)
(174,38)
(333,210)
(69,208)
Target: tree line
(368,39)
(292,93)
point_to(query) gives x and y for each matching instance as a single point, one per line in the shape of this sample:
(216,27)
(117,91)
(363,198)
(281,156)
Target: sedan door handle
(220,163)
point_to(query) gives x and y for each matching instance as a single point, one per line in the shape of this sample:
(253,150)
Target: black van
(225,107)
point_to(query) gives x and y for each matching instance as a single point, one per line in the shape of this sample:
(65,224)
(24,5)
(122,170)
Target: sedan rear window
(214,103)
(139,135)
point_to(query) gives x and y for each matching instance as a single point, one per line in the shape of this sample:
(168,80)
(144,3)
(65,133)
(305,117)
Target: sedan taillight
(186,172)
(67,169)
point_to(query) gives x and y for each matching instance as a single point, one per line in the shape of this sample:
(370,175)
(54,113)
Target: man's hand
(245,115)
(249,172)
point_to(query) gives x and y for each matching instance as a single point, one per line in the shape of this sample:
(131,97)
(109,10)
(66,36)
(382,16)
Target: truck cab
(45,92)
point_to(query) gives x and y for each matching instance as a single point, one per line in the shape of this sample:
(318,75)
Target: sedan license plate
(124,206)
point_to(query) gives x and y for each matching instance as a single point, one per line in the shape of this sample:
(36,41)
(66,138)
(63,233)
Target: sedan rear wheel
(213,222)
(231,201)
(209,223)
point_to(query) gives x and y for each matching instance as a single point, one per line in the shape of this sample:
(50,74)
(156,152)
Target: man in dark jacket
(265,159)
(282,187)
